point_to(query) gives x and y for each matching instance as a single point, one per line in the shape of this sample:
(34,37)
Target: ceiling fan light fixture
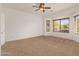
(41,9)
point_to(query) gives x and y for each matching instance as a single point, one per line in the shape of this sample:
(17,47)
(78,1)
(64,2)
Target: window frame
(60,24)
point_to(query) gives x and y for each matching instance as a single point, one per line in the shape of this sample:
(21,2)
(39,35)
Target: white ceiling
(28,6)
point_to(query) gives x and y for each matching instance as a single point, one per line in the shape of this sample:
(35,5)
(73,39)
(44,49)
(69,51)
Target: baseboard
(64,38)
(24,38)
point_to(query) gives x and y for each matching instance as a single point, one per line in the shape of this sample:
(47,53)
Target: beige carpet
(41,46)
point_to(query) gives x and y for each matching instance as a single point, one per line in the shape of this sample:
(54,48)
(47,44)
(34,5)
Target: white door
(2,29)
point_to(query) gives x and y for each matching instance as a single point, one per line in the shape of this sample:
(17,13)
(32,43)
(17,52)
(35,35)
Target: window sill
(61,32)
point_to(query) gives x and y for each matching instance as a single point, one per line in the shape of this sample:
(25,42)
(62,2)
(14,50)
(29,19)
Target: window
(77,23)
(47,25)
(56,24)
(61,25)
(65,25)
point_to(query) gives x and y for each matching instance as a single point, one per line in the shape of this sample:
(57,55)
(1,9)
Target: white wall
(2,31)
(2,26)
(62,14)
(21,24)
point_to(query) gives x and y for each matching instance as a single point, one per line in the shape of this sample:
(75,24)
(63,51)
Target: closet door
(47,25)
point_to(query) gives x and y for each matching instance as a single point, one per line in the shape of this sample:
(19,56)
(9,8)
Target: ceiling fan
(41,7)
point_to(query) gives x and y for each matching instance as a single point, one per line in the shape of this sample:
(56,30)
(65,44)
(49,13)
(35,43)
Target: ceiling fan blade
(41,5)
(36,9)
(47,7)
